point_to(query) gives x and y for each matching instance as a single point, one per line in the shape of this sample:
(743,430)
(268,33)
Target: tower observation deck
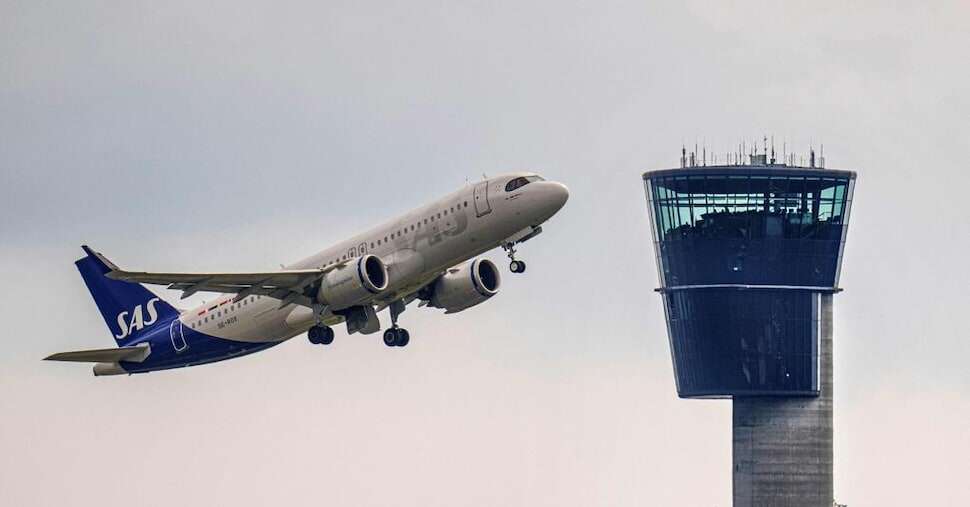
(748,258)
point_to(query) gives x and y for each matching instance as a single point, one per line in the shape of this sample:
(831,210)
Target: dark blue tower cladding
(744,253)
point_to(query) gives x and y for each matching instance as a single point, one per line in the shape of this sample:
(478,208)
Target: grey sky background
(237,136)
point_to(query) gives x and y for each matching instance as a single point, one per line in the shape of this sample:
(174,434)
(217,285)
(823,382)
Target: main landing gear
(396,336)
(514,266)
(320,335)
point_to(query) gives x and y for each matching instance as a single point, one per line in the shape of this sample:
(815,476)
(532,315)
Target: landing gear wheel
(320,335)
(326,335)
(396,337)
(390,337)
(403,337)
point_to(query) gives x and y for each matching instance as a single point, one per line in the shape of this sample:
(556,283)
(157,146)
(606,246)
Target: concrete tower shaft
(782,446)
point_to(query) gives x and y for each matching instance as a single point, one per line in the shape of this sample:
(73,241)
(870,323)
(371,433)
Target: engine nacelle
(353,283)
(465,286)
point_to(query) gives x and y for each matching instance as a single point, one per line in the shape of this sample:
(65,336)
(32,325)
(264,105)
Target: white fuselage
(416,248)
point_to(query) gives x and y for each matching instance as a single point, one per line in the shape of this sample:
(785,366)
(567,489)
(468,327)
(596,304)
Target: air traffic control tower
(749,256)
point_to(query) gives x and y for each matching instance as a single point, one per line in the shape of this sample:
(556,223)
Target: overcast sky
(231,136)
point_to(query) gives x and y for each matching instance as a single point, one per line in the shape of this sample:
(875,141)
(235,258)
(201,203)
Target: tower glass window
(746,227)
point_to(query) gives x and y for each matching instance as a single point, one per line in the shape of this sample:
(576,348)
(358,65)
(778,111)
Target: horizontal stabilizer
(135,354)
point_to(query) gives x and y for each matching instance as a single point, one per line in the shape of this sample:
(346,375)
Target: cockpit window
(521,182)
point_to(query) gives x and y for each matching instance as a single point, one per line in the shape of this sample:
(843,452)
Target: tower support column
(782,446)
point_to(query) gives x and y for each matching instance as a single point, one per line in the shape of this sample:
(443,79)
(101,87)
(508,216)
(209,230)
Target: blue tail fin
(129,309)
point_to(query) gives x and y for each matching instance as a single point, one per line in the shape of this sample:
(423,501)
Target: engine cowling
(465,286)
(354,283)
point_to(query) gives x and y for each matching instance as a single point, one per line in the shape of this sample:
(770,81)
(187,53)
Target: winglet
(110,266)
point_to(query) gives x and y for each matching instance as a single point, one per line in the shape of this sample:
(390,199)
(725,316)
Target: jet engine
(465,286)
(353,283)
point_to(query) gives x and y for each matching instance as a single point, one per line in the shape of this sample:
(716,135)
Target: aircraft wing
(288,285)
(277,284)
(136,354)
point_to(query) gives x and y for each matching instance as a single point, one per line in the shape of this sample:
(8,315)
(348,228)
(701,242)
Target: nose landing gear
(514,266)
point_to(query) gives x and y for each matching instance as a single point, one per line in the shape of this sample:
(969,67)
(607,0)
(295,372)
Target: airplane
(428,254)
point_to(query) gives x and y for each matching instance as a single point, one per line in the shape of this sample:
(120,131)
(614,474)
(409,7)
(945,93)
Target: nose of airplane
(554,196)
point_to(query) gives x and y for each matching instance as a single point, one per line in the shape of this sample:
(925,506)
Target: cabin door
(482,207)
(178,337)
